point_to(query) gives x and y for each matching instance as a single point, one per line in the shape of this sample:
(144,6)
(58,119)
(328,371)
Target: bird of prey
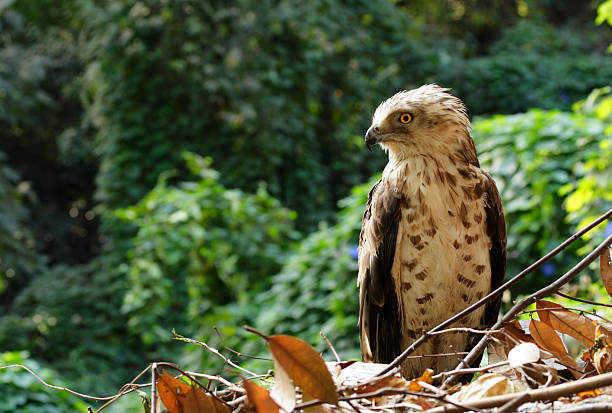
(433,236)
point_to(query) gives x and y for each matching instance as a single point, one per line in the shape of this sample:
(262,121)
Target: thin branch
(463,330)
(493,294)
(44,383)
(593,313)
(212,350)
(523,303)
(154,388)
(330,346)
(582,300)
(470,371)
(239,354)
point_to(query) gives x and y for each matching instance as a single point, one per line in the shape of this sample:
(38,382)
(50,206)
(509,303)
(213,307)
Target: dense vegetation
(194,164)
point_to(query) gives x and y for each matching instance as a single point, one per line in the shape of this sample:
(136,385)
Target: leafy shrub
(21,392)
(316,290)
(532,156)
(19,261)
(200,250)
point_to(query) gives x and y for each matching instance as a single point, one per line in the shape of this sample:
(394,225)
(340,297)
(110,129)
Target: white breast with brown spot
(441,262)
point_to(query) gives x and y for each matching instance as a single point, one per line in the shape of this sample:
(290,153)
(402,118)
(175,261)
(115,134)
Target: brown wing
(496,231)
(378,303)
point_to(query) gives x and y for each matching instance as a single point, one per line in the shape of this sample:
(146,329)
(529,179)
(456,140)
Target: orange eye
(405,118)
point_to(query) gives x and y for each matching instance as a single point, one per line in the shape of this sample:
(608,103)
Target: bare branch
(330,346)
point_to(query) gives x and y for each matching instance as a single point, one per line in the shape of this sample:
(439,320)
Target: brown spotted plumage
(433,237)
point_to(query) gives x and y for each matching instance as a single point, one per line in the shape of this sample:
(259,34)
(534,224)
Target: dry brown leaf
(487,385)
(544,307)
(602,354)
(305,367)
(605,265)
(259,398)
(577,326)
(378,383)
(522,354)
(179,397)
(549,340)
(515,330)
(283,391)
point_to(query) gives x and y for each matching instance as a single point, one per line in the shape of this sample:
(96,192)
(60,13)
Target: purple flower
(548,269)
(354,252)
(608,230)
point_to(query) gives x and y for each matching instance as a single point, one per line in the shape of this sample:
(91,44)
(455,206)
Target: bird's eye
(405,118)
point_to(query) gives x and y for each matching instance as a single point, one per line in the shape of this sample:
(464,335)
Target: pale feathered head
(423,119)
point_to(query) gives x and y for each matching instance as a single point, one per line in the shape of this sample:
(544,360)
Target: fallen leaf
(426,377)
(523,353)
(544,307)
(259,398)
(283,391)
(515,330)
(179,397)
(605,265)
(305,367)
(577,326)
(602,354)
(549,340)
(487,385)
(589,393)
(378,383)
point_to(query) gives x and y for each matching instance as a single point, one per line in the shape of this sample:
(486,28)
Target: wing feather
(379,310)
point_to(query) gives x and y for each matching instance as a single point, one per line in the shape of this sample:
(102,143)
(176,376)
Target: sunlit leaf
(549,340)
(305,367)
(283,391)
(544,307)
(259,398)
(577,326)
(178,397)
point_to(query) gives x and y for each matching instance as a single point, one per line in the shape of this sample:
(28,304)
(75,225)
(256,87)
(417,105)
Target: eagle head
(422,120)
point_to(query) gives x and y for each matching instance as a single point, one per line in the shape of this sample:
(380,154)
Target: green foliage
(21,392)
(532,157)
(68,317)
(591,195)
(18,259)
(316,289)
(531,65)
(200,250)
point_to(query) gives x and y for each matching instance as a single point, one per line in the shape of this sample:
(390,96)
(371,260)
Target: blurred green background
(171,164)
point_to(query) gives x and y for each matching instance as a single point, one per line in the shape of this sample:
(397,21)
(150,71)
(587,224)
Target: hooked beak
(372,137)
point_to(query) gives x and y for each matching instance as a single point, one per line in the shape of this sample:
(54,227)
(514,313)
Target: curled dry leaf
(578,326)
(425,377)
(602,353)
(179,397)
(605,265)
(487,385)
(259,398)
(304,366)
(522,354)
